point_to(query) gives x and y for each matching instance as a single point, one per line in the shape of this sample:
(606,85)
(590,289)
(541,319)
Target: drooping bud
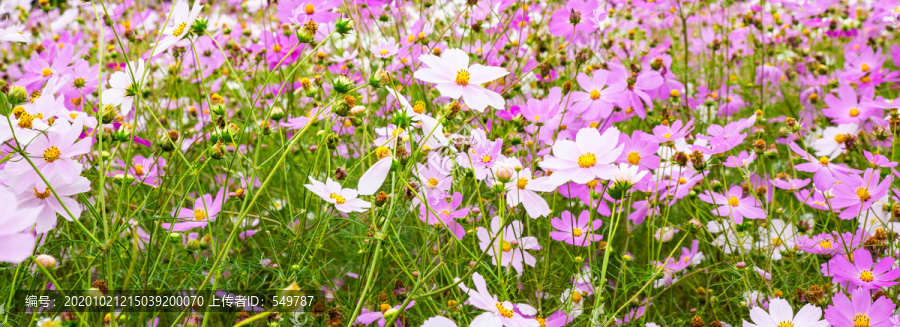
(17,94)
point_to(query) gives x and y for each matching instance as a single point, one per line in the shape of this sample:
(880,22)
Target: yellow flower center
(577,232)
(785,323)
(51,154)
(505,246)
(840,138)
(634,158)
(522,183)
(46,72)
(866,276)
(276,48)
(825,244)
(41,195)
(139,170)
(486,159)
(823,161)
(419,107)
(504,311)
(864,68)
(382,152)
(861,320)
(863,194)
(383,52)
(384,307)
(587,160)
(462,77)
(854,112)
(733,201)
(682,181)
(310,9)
(199,215)
(339,199)
(595,95)
(667,135)
(576,297)
(180,29)
(431,182)
(541,321)
(777,241)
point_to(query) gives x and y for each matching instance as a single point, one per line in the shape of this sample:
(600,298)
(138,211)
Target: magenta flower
(576,232)
(454,78)
(670,133)
(733,204)
(367,317)
(205,210)
(590,156)
(638,151)
(877,160)
(848,109)
(824,172)
(543,110)
(599,96)
(443,212)
(739,161)
(860,311)
(636,95)
(857,194)
(791,184)
(722,139)
(861,272)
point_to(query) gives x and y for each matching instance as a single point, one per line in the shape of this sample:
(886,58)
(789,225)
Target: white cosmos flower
(124,86)
(178,27)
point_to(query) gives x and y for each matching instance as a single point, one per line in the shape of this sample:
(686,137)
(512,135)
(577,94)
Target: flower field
(444,163)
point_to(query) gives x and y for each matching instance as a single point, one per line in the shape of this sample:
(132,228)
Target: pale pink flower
(590,156)
(454,78)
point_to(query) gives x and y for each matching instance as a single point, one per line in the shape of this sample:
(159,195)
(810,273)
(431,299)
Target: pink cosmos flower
(636,94)
(367,317)
(781,314)
(41,198)
(576,232)
(385,48)
(860,311)
(599,96)
(857,194)
(824,172)
(438,321)
(861,272)
(638,151)
(590,156)
(454,78)
(205,210)
(670,133)
(739,161)
(144,170)
(443,211)
(54,155)
(733,204)
(543,110)
(498,313)
(16,240)
(511,246)
(792,184)
(300,11)
(848,109)
(722,139)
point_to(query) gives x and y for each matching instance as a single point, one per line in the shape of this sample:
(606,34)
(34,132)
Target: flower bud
(342,84)
(277,113)
(307,32)
(17,94)
(343,26)
(46,261)
(109,113)
(574,17)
